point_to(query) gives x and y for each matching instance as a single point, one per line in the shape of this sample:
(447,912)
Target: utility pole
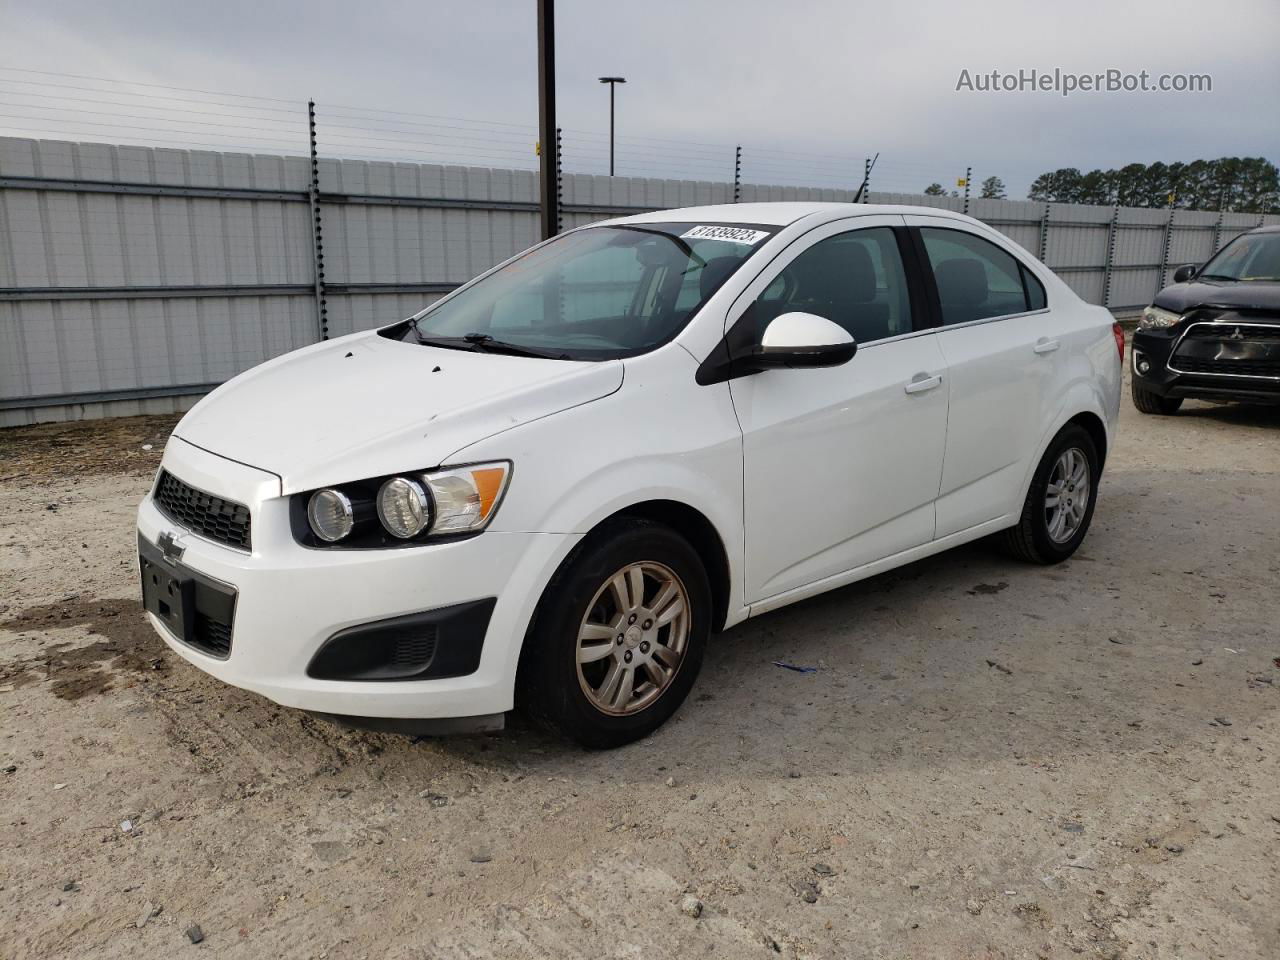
(547,159)
(613,83)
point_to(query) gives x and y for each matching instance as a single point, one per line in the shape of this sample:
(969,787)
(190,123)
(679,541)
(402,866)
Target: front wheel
(618,638)
(1060,502)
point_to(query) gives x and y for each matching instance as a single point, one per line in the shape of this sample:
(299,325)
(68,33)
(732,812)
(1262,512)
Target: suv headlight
(410,507)
(1157,318)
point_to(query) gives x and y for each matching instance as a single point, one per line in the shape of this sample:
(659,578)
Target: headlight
(330,514)
(1157,318)
(403,507)
(465,498)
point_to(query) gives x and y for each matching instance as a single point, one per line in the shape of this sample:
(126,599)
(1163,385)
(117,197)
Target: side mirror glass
(1184,273)
(804,340)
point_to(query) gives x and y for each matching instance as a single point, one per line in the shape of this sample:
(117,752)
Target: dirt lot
(992,760)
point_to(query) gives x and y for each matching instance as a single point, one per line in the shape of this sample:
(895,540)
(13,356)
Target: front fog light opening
(1140,364)
(404,508)
(330,514)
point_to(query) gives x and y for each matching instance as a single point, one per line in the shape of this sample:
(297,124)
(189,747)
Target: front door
(842,464)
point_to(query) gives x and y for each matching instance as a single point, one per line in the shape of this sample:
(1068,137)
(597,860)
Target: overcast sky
(808,88)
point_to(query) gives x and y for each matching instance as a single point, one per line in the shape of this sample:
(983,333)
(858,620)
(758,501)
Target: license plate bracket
(169,595)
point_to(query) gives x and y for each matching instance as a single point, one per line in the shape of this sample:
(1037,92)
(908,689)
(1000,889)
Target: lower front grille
(1237,368)
(211,636)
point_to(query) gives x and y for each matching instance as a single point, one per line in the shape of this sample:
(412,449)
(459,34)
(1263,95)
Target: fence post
(1044,234)
(1164,256)
(1109,267)
(1217,227)
(737,174)
(968,176)
(866,180)
(559,224)
(317,239)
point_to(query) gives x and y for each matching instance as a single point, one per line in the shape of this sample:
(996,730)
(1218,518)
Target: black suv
(1215,332)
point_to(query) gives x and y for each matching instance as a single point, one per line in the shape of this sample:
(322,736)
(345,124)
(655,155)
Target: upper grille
(1223,331)
(224,521)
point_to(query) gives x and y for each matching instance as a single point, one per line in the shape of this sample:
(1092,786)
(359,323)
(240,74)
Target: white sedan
(550,487)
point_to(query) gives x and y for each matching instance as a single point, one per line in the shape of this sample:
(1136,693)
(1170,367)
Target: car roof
(784,213)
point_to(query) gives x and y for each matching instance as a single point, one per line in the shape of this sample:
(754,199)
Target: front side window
(596,294)
(853,279)
(976,279)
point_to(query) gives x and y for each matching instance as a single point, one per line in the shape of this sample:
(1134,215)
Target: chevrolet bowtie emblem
(170,548)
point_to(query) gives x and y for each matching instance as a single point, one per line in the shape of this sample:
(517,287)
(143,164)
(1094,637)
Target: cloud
(808,88)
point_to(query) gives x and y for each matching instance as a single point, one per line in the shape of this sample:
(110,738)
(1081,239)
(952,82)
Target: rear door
(841,465)
(1004,357)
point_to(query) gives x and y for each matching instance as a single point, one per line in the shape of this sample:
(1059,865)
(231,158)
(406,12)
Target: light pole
(613,83)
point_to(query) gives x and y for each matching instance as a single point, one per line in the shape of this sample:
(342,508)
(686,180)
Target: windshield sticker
(731,234)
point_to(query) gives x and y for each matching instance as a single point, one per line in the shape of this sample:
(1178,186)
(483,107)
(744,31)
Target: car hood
(365,406)
(1182,297)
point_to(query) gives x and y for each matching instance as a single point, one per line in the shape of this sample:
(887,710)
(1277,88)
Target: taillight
(1119,335)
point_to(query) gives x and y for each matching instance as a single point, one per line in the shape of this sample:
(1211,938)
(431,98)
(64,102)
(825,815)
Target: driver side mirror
(1184,273)
(803,340)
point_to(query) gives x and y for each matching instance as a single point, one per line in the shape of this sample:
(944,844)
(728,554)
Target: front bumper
(1212,360)
(290,600)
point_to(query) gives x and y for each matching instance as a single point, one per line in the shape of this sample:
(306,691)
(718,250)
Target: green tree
(934,190)
(1248,184)
(992,189)
(1057,186)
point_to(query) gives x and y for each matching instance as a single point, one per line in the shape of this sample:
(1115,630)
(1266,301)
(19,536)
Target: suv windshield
(1251,256)
(595,294)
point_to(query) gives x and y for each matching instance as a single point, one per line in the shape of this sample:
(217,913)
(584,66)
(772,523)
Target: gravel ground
(992,760)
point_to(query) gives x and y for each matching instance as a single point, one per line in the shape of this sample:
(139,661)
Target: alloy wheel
(1066,498)
(633,638)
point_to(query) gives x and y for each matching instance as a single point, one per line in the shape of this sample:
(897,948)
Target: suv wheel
(619,635)
(1059,505)
(1148,401)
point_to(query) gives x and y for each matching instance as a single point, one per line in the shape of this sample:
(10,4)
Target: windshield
(1250,256)
(594,294)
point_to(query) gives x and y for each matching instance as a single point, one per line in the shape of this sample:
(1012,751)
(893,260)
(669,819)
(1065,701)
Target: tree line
(1243,184)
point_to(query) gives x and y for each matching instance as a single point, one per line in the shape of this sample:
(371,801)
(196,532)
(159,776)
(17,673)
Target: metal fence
(134,279)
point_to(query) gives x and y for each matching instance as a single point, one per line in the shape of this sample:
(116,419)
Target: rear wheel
(619,635)
(1148,401)
(1059,505)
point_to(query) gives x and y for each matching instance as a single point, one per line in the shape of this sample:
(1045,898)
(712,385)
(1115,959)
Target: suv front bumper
(1211,360)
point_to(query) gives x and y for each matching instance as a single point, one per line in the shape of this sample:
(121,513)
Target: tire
(581,599)
(1148,401)
(1032,539)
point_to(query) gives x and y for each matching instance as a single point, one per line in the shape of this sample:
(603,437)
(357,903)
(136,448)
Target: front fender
(660,437)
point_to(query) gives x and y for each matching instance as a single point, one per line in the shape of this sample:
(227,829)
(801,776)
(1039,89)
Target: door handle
(1045,345)
(922,382)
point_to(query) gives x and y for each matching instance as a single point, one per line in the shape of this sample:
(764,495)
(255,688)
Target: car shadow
(1236,414)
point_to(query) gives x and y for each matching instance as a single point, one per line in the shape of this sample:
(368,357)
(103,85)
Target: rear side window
(1036,299)
(977,280)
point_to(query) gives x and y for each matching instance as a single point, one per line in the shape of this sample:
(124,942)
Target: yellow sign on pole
(961,182)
